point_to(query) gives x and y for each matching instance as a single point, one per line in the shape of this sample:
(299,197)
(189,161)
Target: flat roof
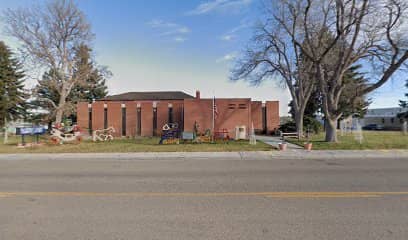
(135,96)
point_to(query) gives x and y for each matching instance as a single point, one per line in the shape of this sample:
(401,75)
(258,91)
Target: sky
(182,45)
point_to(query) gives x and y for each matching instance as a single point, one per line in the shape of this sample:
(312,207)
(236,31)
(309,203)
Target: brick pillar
(147,119)
(97,115)
(83,115)
(272,116)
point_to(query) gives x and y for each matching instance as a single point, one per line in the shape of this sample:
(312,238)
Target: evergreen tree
(12,94)
(404,104)
(93,88)
(351,102)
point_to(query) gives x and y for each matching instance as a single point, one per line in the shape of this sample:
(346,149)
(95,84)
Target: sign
(31,131)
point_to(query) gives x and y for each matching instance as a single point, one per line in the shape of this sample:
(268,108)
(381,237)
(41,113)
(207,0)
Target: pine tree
(93,88)
(404,104)
(95,85)
(12,94)
(351,102)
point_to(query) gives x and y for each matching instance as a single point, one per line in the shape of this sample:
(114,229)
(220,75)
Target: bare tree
(274,55)
(336,34)
(50,36)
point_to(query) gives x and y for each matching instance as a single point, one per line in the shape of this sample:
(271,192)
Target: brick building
(144,113)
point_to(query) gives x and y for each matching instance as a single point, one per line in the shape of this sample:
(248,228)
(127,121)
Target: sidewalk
(274,141)
(267,155)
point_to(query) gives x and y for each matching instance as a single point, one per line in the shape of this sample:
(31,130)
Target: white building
(387,117)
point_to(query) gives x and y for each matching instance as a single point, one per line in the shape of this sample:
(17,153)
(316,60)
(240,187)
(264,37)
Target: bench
(222,134)
(289,134)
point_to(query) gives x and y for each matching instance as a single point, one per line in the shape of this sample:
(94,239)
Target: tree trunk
(5,140)
(331,130)
(58,115)
(299,123)
(60,109)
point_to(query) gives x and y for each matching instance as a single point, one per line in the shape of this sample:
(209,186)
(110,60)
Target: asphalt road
(204,199)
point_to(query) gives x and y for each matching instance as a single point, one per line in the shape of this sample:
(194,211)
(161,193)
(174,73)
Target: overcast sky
(161,45)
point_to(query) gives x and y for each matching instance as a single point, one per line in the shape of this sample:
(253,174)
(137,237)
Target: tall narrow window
(182,119)
(154,121)
(90,119)
(123,121)
(170,118)
(264,119)
(139,122)
(105,118)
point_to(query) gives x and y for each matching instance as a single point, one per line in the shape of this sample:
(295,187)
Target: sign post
(30,131)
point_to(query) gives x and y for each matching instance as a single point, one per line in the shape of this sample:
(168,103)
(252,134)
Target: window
(231,106)
(383,120)
(139,122)
(105,118)
(264,121)
(170,115)
(392,120)
(123,121)
(242,106)
(90,120)
(154,121)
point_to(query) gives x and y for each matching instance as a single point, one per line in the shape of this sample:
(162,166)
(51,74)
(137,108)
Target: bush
(312,124)
(309,123)
(288,127)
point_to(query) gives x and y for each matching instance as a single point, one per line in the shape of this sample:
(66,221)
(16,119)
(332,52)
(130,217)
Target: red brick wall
(194,110)
(83,116)
(147,119)
(97,115)
(178,112)
(162,115)
(256,113)
(115,117)
(131,118)
(272,114)
(231,118)
(200,111)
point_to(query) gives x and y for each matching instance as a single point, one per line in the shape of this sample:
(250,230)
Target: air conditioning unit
(240,132)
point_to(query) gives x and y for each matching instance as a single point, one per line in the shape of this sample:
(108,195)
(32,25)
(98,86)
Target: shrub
(308,123)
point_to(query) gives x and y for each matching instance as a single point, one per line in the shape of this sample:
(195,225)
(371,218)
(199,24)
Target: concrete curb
(267,155)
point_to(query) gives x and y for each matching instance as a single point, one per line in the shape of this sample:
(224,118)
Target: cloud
(179,39)
(174,31)
(231,6)
(227,37)
(232,33)
(227,57)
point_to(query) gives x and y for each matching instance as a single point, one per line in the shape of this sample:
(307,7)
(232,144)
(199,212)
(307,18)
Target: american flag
(215,109)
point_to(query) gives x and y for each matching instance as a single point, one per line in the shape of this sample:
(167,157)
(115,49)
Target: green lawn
(372,140)
(131,145)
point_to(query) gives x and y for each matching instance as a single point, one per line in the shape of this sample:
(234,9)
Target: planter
(308,146)
(283,146)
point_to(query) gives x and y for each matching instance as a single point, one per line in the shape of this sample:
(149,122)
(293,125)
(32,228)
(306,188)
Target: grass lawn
(131,145)
(372,140)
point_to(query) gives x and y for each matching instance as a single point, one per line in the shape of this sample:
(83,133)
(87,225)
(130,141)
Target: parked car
(373,126)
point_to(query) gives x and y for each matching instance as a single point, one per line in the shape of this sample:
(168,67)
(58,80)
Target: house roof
(385,112)
(134,96)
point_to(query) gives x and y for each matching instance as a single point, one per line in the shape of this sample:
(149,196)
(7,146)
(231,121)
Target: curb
(259,155)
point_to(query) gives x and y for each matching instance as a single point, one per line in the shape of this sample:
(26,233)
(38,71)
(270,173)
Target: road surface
(204,199)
